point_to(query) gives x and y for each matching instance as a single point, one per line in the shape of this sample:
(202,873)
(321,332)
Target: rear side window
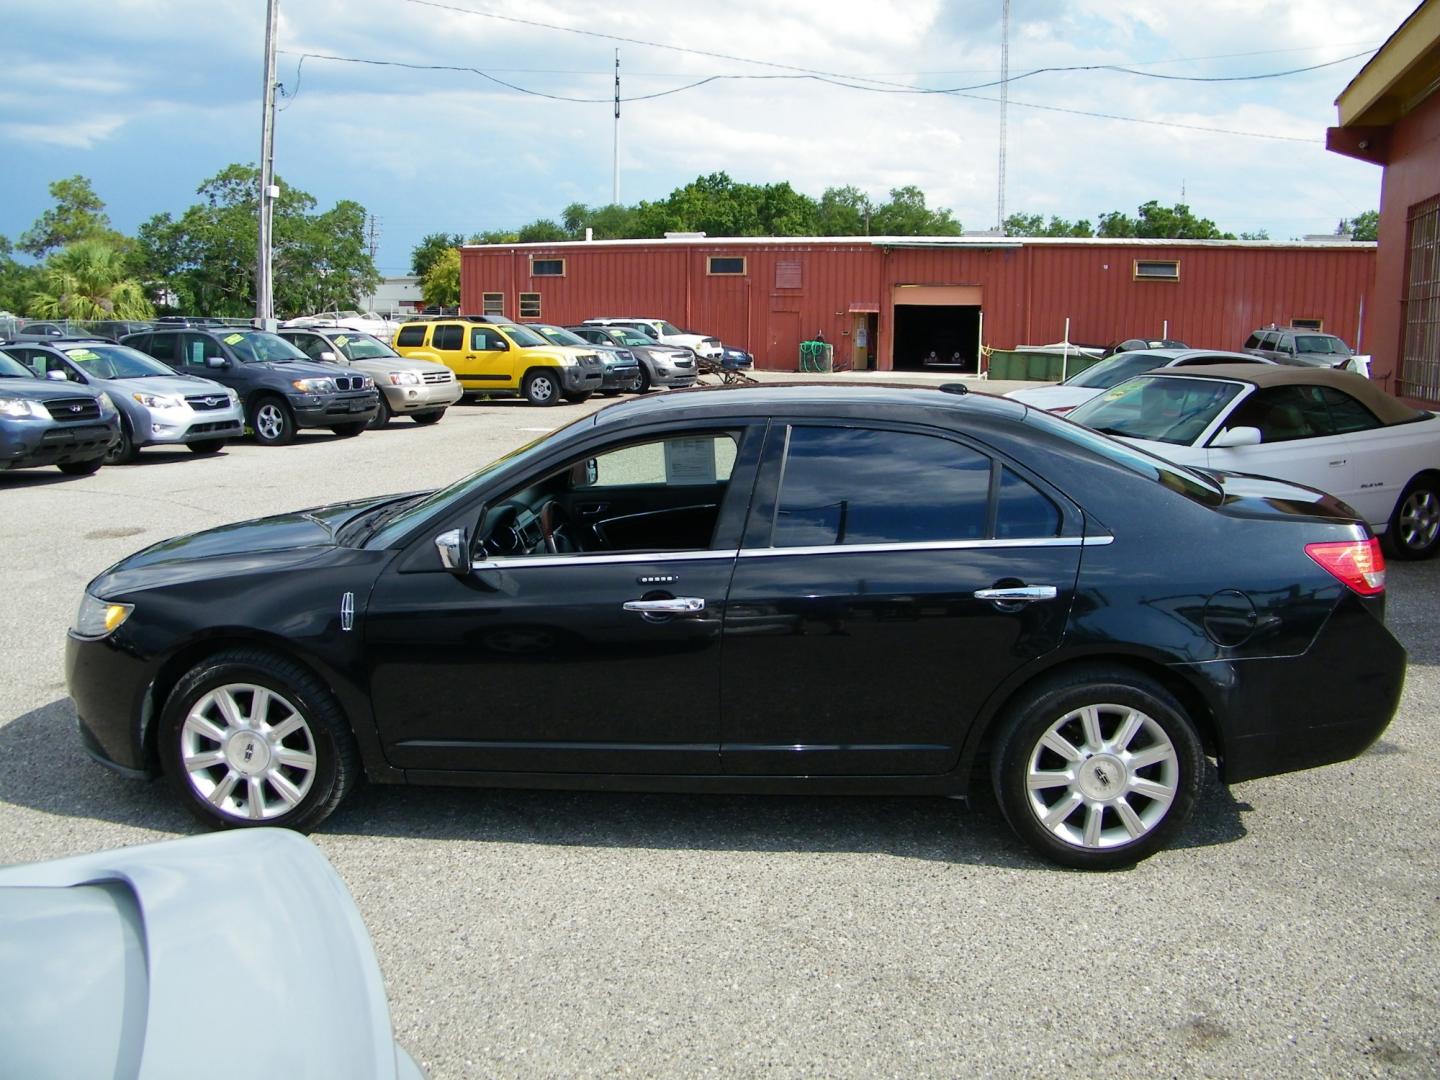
(449,337)
(860,486)
(1347,414)
(411,337)
(1023,512)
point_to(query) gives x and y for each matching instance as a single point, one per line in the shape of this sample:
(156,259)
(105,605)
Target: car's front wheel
(272,423)
(382,414)
(123,450)
(1098,769)
(250,738)
(1415,524)
(541,388)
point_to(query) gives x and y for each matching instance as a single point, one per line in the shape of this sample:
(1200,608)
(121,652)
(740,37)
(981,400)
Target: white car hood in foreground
(1051,398)
(236,954)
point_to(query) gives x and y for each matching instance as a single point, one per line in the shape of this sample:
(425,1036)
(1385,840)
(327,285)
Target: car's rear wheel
(382,414)
(123,450)
(271,421)
(80,468)
(643,384)
(1098,769)
(541,388)
(428,417)
(1414,528)
(249,738)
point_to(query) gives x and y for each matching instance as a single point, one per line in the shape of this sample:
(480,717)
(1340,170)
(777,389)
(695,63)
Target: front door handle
(1019,594)
(675,605)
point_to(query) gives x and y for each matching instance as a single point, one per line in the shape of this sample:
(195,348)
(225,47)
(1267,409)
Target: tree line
(201,262)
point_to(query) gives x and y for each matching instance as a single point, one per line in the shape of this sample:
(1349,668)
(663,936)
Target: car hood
(43,389)
(1051,398)
(383,365)
(165,384)
(111,957)
(243,547)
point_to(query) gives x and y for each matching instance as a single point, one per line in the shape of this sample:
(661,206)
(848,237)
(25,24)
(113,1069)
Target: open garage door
(937,328)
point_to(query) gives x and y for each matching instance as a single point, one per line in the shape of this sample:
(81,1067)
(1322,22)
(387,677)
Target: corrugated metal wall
(1028,289)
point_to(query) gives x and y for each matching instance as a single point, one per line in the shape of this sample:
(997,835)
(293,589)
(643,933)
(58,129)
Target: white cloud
(80,134)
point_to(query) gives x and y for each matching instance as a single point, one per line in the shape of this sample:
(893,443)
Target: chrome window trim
(594,559)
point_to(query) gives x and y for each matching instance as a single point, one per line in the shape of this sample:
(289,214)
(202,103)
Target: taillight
(1357,564)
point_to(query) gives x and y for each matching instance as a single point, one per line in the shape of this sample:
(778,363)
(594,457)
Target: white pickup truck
(667,333)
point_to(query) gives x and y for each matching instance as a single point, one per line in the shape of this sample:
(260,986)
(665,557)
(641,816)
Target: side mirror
(216,362)
(55,374)
(327,355)
(1237,436)
(454,549)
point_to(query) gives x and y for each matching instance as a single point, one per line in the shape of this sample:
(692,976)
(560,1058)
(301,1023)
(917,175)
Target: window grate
(493,303)
(529,305)
(1420,348)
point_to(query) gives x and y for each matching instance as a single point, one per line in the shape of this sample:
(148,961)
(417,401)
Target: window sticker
(342,340)
(81,355)
(234,339)
(690,461)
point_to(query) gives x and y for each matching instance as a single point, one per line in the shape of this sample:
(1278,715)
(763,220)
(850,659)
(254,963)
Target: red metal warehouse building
(888,303)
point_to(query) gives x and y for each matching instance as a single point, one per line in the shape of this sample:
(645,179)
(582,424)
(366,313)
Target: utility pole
(373,240)
(1004,105)
(264,284)
(615,151)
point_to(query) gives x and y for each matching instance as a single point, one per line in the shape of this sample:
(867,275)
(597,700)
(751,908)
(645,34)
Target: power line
(957,92)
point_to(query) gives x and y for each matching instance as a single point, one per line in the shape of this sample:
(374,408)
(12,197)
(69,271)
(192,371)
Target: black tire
(349,431)
(643,384)
(80,468)
(271,421)
(611,393)
(123,450)
(1099,779)
(208,446)
(1414,529)
(541,387)
(323,735)
(427,417)
(382,415)
(578,396)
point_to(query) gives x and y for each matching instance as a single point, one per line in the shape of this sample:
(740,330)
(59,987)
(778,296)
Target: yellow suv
(493,355)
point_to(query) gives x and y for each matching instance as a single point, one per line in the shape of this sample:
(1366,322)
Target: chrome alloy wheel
(248,752)
(1102,776)
(269,421)
(1419,518)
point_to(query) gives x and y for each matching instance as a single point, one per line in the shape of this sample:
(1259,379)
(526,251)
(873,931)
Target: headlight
(15,406)
(159,401)
(404,378)
(314,386)
(234,397)
(99,618)
(107,407)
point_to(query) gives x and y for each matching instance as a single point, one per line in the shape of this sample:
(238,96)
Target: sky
(148,98)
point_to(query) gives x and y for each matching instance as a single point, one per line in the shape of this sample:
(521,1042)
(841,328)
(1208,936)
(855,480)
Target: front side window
(1283,414)
(676,462)
(861,486)
(363,347)
(483,339)
(312,345)
(195,349)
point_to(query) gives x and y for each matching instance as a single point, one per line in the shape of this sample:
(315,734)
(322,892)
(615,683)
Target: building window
(547,267)
(726,266)
(1157,269)
(1308,324)
(787,274)
(529,305)
(1420,348)
(494,303)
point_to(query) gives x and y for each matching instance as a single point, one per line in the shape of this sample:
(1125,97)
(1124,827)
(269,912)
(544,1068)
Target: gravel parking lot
(1294,930)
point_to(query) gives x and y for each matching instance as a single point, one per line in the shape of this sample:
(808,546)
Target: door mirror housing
(454,549)
(1238,436)
(328,355)
(55,375)
(216,362)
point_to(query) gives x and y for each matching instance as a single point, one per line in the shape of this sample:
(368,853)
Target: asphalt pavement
(1293,930)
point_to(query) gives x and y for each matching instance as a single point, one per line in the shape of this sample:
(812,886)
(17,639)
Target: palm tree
(87,281)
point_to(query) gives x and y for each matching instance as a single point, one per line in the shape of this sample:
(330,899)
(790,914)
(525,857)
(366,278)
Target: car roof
(1169,355)
(1390,410)
(770,398)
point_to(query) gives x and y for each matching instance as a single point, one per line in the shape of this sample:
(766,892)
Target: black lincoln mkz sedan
(769,589)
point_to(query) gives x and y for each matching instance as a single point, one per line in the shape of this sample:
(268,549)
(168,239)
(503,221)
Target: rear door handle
(677,605)
(1019,594)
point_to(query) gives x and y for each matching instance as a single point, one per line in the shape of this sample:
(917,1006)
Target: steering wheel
(502,538)
(555,526)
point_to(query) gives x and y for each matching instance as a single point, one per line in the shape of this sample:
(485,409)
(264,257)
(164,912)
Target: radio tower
(1004,103)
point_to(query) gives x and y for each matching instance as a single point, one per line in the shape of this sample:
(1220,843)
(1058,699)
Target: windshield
(1191,484)
(1115,370)
(1158,407)
(632,337)
(559,336)
(256,346)
(436,503)
(523,336)
(10,368)
(363,347)
(115,362)
(1323,344)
